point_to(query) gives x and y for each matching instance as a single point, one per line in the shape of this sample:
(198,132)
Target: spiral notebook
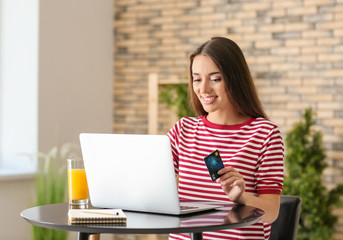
(96,216)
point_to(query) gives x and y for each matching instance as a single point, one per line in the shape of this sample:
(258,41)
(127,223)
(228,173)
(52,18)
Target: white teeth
(209,98)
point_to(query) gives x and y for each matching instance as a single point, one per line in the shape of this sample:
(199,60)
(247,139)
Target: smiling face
(209,86)
(235,89)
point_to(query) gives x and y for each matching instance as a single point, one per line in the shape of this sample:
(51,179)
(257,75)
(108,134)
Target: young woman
(231,119)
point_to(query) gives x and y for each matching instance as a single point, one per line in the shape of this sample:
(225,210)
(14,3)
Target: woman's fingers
(232,183)
(229,172)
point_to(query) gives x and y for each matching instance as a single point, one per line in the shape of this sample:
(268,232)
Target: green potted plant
(51,183)
(176,95)
(305,162)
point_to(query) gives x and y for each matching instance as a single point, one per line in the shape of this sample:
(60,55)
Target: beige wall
(16,195)
(294,49)
(75,70)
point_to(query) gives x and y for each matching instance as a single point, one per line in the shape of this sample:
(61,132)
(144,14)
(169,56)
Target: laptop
(133,172)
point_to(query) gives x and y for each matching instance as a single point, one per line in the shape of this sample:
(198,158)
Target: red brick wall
(294,49)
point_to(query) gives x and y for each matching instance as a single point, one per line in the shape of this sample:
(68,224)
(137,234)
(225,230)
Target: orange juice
(77,184)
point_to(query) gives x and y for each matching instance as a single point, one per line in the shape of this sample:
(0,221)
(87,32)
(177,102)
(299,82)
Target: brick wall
(294,49)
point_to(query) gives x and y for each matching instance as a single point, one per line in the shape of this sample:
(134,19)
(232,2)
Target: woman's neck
(227,118)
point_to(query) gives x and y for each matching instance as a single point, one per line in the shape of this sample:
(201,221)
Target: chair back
(285,227)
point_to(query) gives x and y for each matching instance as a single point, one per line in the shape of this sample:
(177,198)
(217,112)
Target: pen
(102,213)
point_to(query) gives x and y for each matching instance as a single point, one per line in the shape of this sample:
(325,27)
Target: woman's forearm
(269,203)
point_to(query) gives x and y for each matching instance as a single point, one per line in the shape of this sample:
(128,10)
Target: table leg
(196,236)
(83,236)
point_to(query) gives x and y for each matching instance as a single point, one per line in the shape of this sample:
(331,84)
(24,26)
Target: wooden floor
(128,237)
(140,237)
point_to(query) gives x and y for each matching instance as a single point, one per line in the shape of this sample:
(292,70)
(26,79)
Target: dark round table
(55,216)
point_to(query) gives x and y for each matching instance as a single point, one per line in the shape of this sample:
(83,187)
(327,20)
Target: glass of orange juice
(77,184)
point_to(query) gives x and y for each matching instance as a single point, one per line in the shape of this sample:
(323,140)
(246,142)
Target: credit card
(214,163)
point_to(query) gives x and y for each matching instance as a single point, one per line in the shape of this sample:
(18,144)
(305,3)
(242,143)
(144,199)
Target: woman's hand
(232,183)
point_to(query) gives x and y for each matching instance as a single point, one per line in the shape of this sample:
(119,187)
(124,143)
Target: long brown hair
(239,84)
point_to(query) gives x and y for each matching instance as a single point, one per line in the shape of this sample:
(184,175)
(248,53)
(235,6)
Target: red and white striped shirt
(254,148)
